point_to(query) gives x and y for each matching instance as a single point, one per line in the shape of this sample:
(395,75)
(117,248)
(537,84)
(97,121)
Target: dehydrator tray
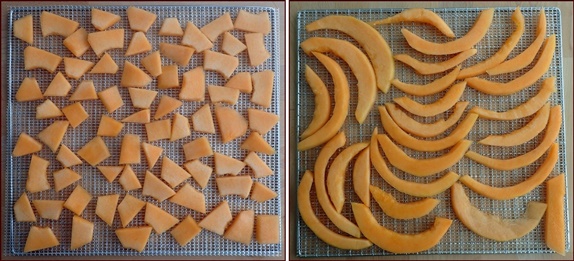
(458,239)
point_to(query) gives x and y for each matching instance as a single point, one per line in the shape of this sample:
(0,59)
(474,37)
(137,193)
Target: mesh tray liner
(21,118)
(458,239)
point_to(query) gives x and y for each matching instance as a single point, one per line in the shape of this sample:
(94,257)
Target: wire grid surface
(21,118)
(458,239)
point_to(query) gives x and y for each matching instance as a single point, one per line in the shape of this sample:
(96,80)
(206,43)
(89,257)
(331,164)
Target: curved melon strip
(552,130)
(523,110)
(432,109)
(340,110)
(472,37)
(372,42)
(418,15)
(408,187)
(525,80)
(491,226)
(554,227)
(336,175)
(395,242)
(359,64)
(328,236)
(502,53)
(519,189)
(522,135)
(432,68)
(322,102)
(320,165)
(398,210)
(436,86)
(425,130)
(362,176)
(527,56)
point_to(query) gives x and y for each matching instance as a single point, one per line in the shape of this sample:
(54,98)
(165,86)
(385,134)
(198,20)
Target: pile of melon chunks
(231,124)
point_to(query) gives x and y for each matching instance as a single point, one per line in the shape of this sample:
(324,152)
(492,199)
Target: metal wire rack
(459,239)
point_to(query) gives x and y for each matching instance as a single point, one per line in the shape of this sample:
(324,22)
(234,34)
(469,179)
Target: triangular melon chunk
(48,110)
(178,53)
(190,198)
(158,130)
(102,20)
(241,81)
(23,211)
(180,128)
(129,208)
(241,229)
(231,45)
(52,135)
(139,19)
(168,78)
(110,172)
(185,231)
(202,120)
(262,88)
(267,229)
(49,209)
(130,151)
(129,180)
(199,171)
(155,188)
(109,127)
(142,98)
(172,173)
(138,44)
(59,86)
(260,169)
(67,157)
(142,116)
(171,27)
(75,68)
(40,238)
(85,91)
(134,237)
(95,151)
(132,76)
(240,185)
(193,85)
(197,148)
(23,29)
(158,218)
(53,24)
(105,65)
(106,40)
(106,207)
(195,38)
(216,27)
(261,121)
(262,193)
(222,63)
(258,23)
(64,178)
(223,94)
(78,200)
(256,49)
(36,58)
(231,124)
(256,143)
(37,175)
(77,42)
(166,105)
(82,232)
(217,219)
(26,145)
(152,153)
(75,113)
(111,98)
(227,165)
(152,63)
(29,90)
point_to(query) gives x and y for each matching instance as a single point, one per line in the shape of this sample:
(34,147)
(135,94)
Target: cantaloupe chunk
(425,68)
(219,62)
(262,88)
(111,98)
(267,229)
(85,91)
(172,173)
(109,127)
(95,151)
(102,20)
(185,231)
(166,105)
(241,229)
(239,185)
(78,200)
(23,211)
(223,94)
(75,113)
(158,218)
(53,24)
(134,237)
(129,208)
(155,188)
(152,63)
(52,135)
(256,143)
(151,153)
(138,44)
(48,110)
(231,45)
(190,198)
(193,85)
(129,180)
(431,109)
(336,175)
(435,86)
(419,15)
(195,38)
(260,169)
(261,121)
(130,151)
(105,65)
(106,40)
(67,157)
(394,209)
(257,23)
(26,145)
(36,58)
(29,90)
(258,54)
(168,77)
(426,130)
(231,124)
(40,238)
(106,207)
(37,175)
(64,178)
(202,120)
(216,27)
(142,116)
(180,128)
(240,81)
(217,219)
(262,193)
(82,232)
(178,53)
(171,27)
(132,76)
(227,165)
(199,171)
(110,172)
(59,86)
(554,226)
(49,209)
(77,42)
(23,29)
(139,19)
(158,130)
(142,98)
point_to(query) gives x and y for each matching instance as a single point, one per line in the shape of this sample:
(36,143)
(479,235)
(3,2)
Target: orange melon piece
(75,113)
(158,130)
(78,200)
(394,209)
(64,178)
(110,172)
(262,88)
(202,120)
(362,176)
(168,78)
(166,105)
(216,27)
(267,229)
(240,81)
(77,42)
(139,19)
(142,98)
(180,128)
(59,86)
(37,175)
(261,121)
(336,175)
(260,169)
(322,102)
(554,227)
(432,68)
(23,211)
(40,238)
(106,40)
(441,105)
(142,116)
(82,232)
(418,15)
(95,151)
(105,65)
(435,86)
(199,171)
(152,63)
(195,38)
(53,24)
(223,94)
(231,45)
(158,218)
(155,188)
(190,198)
(258,54)
(130,151)
(262,193)
(109,127)
(138,44)
(129,180)
(35,58)
(52,135)
(217,219)
(134,237)
(49,209)
(102,20)
(257,23)
(170,27)
(227,165)
(172,173)
(193,85)
(178,53)
(231,124)
(256,143)
(111,98)
(185,231)
(85,91)
(129,208)
(197,148)
(132,76)
(67,157)
(241,229)
(426,130)
(47,110)
(23,29)
(106,207)
(151,153)
(222,63)
(29,90)
(240,185)
(26,145)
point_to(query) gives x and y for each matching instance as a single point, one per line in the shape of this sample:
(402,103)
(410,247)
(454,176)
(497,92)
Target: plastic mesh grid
(21,118)
(458,239)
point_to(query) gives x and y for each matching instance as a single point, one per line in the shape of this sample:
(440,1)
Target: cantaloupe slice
(261,121)
(195,38)
(258,54)
(59,86)
(29,90)
(67,157)
(152,63)
(40,238)
(267,229)
(139,19)
(311,220)
(223,94)
(240,81)
(152,153)
(171,27)
(109,127)
(23,29)
(47,110)
(106,207)
(102,20)
(262,193)
(193,85)
(231,45)
(142,116)
(362,176)
(491,226)
(75,113)
(105,65)
(172,173)
(168,78)
(130,151)
(106,40)
(110,172)
(336,174)
(263,87)
(64,178)
(441,105)
(52,135)
(241,229)
(49,209)
(425,130)
(35,58)
(227,165)
(257,23)
(418,15)
(239,185)
(394,242)
(26,145)
(425,68)
(138,44)
(185,231)
(82,232)
(142,98)
(111,98)
(202,120)
(23,211)
(37,175)
(322,102)
(129,208)
(199,171)
(95,151)
(53,24)
(222,63)
(231,124)
(77,42)
(435,86)
(132,76)
(260,169)
(158,218)
(216,27)
(158,130)
(217,219)
(166,105)
(394,209)
(554,227)
(197,148)
(155,188)
(85,91)
(134,237)
(190,198)
(78,200)
(129,180)
(178,53)
(472,37)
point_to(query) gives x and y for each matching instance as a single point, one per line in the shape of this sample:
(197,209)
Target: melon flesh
(193,85)
(231,45)
(155,188)
(436,86)
(190,198)
(221,94)
(362,176)
(197,148)
(49,209)
(172,173)
(257,23)
(26,145)
(166,105)
(36,58)
(139,19)
(23,29)
(105,65)
(53,24)
(267,229)
(106,40)
(48,110)
(241,229)
(240,81)
(217,219)
(132,76)
(95,151)
(337,171)
(158,130)
(256,49)
(168,78)
(260,169)
(142,98)
(129,208)
(262,193)
(142,116)
(433,68)
(75,113)
(199,171)
(82,232)
(102,20)
(110,172)
(240,185)
(111,98)
(426,130)
(29,90)
(75,68)
(37,175)
(152,63)
(23,211)
(418,15)
(129,180)
(256,143)
(185,231)
(64,178)
(178,53)
(202,120)
(130,151)
(134,237)
(106,208)
(40,238)
(109,127)
(158,218)
(261,121)
(227,165)
(77,42)
(152,153)
(195,38)
(85,91)
(216,27)
(138,44)
(262,88)
(232,125)
(78,200)
(394,209)
(219,62)
(554,226)
(170,27)
(67,157)
(59,86)
(52,135)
